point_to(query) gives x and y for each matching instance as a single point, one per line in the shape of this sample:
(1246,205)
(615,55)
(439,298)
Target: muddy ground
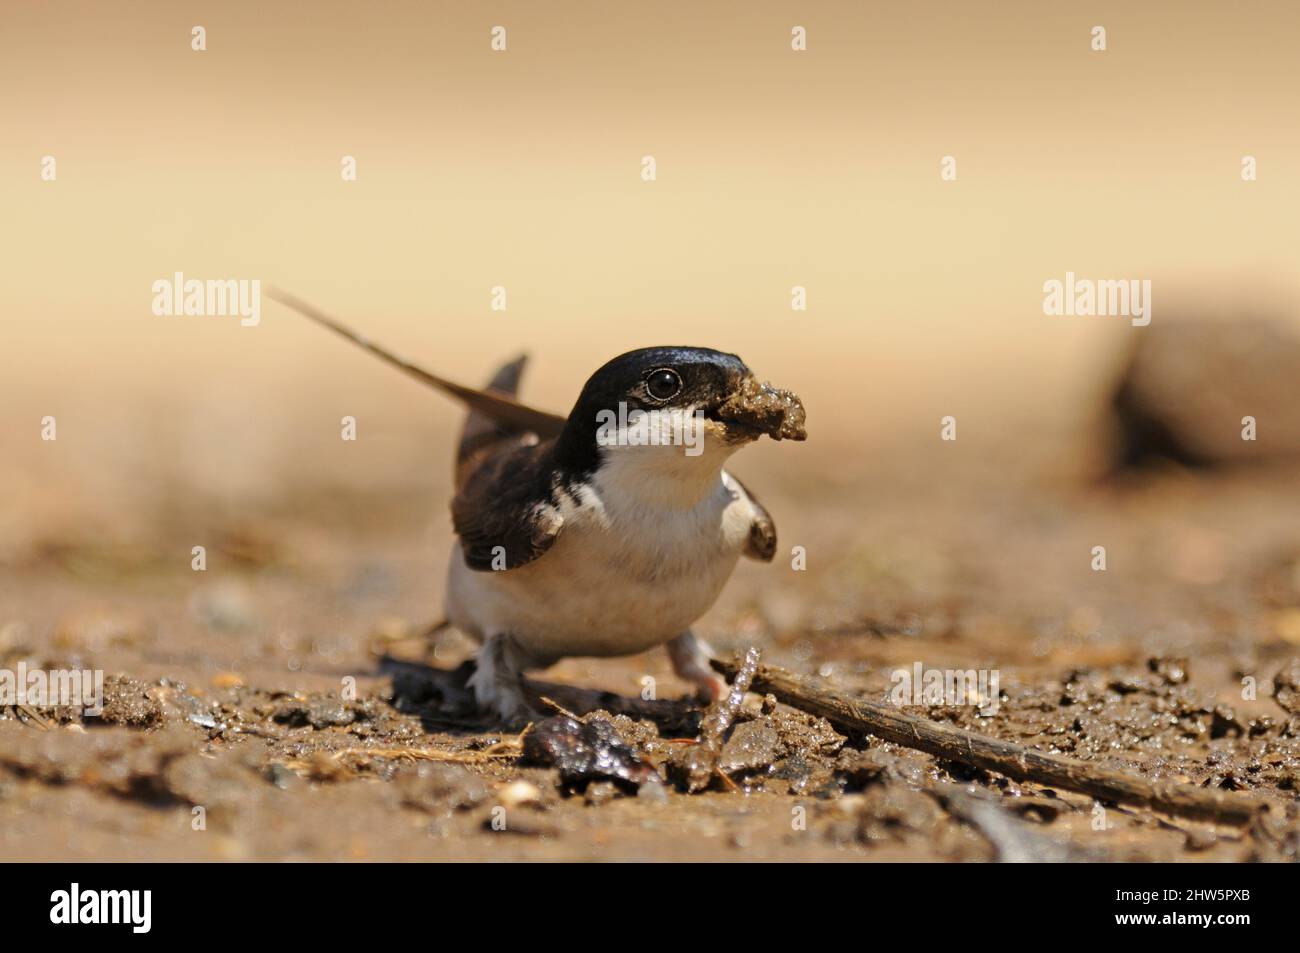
(284,704)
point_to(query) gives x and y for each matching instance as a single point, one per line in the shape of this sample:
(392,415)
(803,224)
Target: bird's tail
(496,403)
(482,428)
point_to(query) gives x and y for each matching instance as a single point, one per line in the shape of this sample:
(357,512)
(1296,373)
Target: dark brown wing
(761,544)
(505,510)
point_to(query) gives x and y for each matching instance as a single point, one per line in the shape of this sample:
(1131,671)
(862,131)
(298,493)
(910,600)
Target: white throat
(663,476)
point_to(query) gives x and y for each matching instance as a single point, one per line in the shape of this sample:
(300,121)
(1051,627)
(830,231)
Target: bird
(606,532)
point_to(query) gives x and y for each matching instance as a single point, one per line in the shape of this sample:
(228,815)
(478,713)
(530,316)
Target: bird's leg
(497,679)
(690,658)
(430,633)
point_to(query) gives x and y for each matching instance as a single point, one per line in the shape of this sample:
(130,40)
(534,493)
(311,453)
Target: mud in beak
(756,409)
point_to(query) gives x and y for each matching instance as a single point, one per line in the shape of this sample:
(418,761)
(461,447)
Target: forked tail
(481,428)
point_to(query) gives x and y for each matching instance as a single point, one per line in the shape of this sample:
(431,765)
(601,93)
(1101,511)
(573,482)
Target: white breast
(641,556)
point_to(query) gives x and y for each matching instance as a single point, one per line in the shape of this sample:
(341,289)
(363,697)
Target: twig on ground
(31,713)
(862,716)
(1014,840)
(345,762)
(552,703)
(699,764)
(506,748)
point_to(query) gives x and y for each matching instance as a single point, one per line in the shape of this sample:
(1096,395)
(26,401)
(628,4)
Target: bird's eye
(663,384)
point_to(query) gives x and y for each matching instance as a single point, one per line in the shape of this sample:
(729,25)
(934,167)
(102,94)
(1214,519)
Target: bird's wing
(505,510)
(761,544)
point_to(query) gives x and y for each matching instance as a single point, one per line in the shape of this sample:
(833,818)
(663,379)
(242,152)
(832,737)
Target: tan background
(522,169)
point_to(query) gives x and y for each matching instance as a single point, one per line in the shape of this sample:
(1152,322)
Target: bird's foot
(690,657)
(497,681)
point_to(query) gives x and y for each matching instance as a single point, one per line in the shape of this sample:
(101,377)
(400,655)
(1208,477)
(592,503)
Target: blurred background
(522,169)
(775,169)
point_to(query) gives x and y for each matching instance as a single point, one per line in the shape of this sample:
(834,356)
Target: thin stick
(700,763)
(560,708)
(507,748)
(34,715)
(497,406)
(862,716)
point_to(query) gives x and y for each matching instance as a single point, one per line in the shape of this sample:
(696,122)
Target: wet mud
(290,706)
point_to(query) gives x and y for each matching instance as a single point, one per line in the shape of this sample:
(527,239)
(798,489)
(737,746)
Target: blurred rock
(225,605)
(1189,384)
(440,788)
(753,746)
(129,703)
(1286,687)
(585,752)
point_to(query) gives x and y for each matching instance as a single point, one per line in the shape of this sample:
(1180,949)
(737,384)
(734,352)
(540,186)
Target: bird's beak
(758,408)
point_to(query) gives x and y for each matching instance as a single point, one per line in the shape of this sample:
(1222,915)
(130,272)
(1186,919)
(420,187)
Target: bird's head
(695,401)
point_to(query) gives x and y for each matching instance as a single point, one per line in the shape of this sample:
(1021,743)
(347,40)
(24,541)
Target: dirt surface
(284,703)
